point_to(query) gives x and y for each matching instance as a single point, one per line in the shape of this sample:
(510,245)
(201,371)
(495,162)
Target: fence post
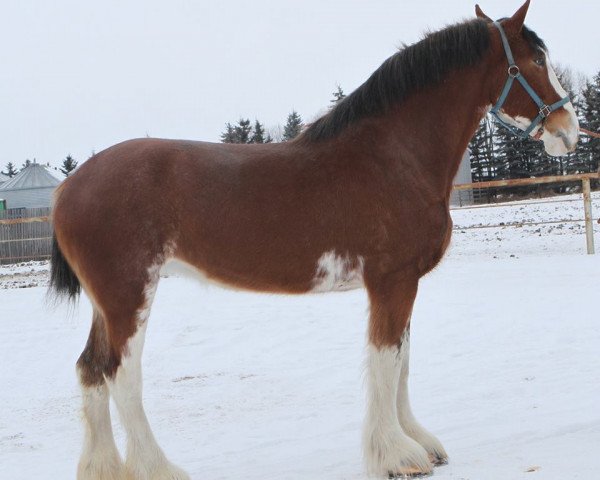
(587,207)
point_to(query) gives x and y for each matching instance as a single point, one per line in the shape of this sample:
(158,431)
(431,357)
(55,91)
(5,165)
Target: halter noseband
(514,73)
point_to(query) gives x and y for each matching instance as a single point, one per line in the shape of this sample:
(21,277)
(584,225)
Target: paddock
(505,357)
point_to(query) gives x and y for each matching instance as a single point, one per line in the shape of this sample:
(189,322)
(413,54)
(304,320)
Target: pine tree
(293,126)
(258,134)
(243,130)
(570,163)
(590,147)
(481,150)
(26,163)
(580,163)
(228,136)
(69,164)
(338,95)
(10,170)
(239,133)
(518,158)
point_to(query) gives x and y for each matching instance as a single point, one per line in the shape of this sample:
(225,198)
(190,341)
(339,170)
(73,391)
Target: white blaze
(556,145)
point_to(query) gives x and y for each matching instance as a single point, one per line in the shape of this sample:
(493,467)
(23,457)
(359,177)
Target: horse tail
(63,281)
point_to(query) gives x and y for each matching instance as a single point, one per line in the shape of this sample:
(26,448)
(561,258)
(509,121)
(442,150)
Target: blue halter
(514,73)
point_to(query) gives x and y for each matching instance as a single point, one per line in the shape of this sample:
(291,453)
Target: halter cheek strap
(515,74)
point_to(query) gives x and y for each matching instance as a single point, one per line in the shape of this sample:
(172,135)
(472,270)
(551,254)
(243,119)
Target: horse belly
(330,272)
(338,273)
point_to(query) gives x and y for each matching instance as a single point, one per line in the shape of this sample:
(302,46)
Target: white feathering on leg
(387,448)
(145,460)
(407,420)
(100,458)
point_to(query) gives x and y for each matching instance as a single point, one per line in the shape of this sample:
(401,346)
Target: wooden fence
(584,178)
(25,234)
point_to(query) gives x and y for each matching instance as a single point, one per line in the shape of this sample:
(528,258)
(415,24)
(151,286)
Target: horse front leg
(388,449)
(437,453)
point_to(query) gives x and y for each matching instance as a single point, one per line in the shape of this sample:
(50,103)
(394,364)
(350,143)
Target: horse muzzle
(561,132)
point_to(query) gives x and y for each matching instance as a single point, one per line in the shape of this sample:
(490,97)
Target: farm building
(463,197)
(32,187)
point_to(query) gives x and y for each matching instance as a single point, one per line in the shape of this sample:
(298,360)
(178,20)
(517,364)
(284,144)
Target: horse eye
(541,61)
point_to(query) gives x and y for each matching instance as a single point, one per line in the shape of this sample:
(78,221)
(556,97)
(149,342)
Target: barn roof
(32,176)
(4,178)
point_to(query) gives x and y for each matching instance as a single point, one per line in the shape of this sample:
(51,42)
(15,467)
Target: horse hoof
(408,475)
(437,461)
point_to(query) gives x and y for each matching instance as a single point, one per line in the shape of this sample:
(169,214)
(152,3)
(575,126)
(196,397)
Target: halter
(514,73)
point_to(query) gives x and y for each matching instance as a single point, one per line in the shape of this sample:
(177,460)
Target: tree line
(497,154)
(245,132)
(68,165)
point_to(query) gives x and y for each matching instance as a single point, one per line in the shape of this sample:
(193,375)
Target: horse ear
(515,23)
(480,14)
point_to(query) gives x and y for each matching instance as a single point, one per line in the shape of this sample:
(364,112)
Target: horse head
(525,92)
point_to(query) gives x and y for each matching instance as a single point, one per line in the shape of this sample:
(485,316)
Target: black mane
(417,66)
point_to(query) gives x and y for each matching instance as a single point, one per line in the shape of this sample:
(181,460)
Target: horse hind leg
(144,459)
(100,459)
(435,450)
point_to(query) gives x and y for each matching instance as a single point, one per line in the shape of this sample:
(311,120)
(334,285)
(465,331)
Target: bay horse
(359,199)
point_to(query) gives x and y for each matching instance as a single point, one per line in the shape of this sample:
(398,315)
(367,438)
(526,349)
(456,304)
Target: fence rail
(584,178)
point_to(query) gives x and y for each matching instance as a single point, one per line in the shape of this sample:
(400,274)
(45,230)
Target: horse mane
(414,67)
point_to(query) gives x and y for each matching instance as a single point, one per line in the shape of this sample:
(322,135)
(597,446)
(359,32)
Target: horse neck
(431,129)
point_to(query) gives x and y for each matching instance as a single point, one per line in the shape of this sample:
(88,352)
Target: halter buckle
(545,111)
(513,71)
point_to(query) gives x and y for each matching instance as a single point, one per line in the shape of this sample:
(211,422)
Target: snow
(23,275)
(504,367)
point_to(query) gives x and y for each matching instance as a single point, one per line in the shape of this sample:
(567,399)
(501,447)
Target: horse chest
(419,239)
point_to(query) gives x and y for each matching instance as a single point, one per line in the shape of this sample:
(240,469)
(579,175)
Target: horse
(360,199)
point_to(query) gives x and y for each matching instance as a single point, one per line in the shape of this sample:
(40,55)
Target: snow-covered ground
(505,361)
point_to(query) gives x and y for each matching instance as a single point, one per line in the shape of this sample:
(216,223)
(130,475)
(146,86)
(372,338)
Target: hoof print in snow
(532,469)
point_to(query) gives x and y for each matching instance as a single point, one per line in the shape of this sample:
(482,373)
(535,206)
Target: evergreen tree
(518,158)
(481,149)
(338,95)
(570,163)
(243,130)
(69,164)
(590,147)
(10,170)
(259,135)
(580,163)
(293,126)
(228,136)
(26,163)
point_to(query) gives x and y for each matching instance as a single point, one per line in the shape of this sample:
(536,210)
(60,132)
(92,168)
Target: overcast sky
(78,76)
